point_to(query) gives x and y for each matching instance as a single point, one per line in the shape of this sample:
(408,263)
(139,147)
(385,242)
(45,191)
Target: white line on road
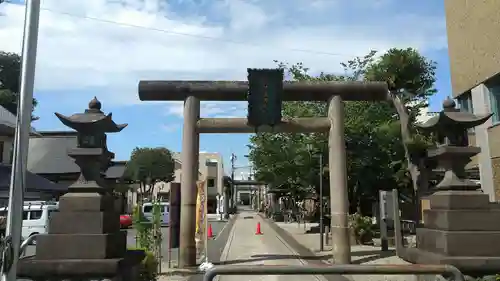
(222,230)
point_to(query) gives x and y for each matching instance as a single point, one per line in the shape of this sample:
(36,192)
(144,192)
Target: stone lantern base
(461,229)
(84,241)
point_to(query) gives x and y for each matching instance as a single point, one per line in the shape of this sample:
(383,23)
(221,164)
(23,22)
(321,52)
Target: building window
(465,102)
(1,151)
(11,153)
(495,103)
(211,183)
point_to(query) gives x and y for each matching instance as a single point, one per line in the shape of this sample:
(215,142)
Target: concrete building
(473,27)
(211,168)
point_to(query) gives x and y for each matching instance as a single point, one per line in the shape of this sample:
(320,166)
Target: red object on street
(125,221)
(210,234)
(258,231)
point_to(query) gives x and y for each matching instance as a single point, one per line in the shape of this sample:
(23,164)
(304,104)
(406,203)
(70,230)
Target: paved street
(245,248)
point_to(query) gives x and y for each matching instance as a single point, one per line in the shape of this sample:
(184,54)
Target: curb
(181,272)
(301,249)
(193,271)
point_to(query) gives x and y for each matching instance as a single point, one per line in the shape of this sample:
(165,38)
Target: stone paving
(245,248)
(361,254)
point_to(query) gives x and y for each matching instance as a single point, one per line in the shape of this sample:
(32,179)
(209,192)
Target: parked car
(147,210)
(125,221)
(36,215)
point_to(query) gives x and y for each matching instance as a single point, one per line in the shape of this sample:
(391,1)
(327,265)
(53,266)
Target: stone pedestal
(461,229)
(84,239)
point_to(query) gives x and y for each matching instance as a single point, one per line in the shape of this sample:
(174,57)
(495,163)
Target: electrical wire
(171,32)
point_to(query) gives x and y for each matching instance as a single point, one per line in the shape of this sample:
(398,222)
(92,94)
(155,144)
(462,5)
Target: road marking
(225,252)
(222,230)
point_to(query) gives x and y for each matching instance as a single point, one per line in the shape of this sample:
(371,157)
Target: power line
(181,33)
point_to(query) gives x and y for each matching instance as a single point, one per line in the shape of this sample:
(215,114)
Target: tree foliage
(375,150)
(149,165)
(411,79)
(10,73)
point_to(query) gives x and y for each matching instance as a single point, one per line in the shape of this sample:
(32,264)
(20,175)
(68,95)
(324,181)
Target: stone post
(339,202)
(189,170)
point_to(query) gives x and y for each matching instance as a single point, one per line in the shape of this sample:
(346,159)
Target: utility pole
(21,140)
(321,214)
(233,186)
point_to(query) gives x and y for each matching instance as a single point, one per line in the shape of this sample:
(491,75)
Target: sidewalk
(360,254)
(245,248)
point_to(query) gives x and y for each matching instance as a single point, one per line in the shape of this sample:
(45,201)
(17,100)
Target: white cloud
(171,127)
(79,53)
(209,109)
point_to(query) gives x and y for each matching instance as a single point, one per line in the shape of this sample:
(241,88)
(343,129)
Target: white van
(147,210)
(36,215)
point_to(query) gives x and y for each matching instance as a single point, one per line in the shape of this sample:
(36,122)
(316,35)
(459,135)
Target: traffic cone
(258,231)
(210,234)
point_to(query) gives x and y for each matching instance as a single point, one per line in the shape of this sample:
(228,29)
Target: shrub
(148,269)
(362,228)
(144,229)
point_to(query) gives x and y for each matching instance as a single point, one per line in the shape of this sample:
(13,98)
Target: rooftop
(48,154)
(8,122)
(33,181)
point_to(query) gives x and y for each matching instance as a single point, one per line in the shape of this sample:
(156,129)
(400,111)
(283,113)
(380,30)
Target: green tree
(149,165)
(411,79)
(10,73)
(375,150)
(286,159)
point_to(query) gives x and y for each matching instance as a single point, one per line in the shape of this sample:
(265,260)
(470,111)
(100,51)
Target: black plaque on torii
(265,96)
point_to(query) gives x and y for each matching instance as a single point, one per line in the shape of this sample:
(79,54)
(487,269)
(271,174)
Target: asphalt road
(215,248)
(217,227)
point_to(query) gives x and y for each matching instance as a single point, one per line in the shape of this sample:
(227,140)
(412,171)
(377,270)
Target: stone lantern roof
(452,116)
(92,119)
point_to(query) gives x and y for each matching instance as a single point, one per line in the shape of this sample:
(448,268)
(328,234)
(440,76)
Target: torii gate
(192,92)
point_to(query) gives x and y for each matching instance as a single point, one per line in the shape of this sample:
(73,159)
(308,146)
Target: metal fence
(448,271)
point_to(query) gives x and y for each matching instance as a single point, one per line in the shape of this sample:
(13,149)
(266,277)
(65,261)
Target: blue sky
(104,47)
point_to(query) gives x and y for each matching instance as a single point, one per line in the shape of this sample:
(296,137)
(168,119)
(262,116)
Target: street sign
(386,205)
(265,95)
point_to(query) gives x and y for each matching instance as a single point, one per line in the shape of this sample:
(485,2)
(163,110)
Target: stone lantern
(84,238)
(461,227)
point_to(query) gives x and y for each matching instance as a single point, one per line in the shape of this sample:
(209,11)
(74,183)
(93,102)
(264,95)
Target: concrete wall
(7,149)
(494,142)
(212,167)
(474,50)
(481,106)
(473,45)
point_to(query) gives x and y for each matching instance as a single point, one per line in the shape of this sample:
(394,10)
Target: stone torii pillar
(192,92)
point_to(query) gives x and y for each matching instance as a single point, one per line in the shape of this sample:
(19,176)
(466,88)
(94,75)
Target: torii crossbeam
(191,92)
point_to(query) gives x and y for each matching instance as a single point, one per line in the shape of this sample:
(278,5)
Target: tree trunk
(149,191)
(142,192)
(413,169)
